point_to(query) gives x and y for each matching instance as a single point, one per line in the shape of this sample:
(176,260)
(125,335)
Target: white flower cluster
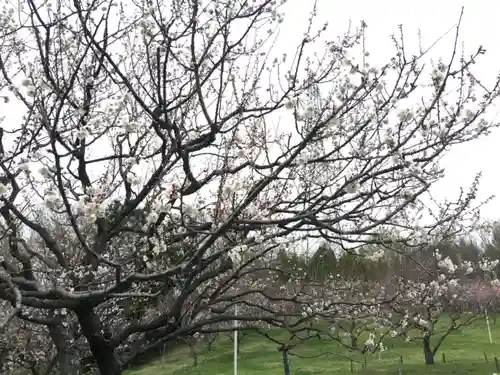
(334,123)
(91,207)
(132,179)
(370,341)
(52,200)
(446,263)
(421,322)
(158,246)
(308,112)
(488,265)
(307,311)
(352,188)
(290,104)
(30,88)
(4,189)
(230,190)
(131,126)
(24,165)
(83,133)
(253,212)
(467,265)
(376,256)
(437,75)
(237,253)
(382,347)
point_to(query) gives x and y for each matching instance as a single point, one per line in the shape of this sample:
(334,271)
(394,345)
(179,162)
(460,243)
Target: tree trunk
(354,341)
(190,342)
(52,365)
(354,338)
(286,363)
(211,340)
(103,353)
(428,354)
(63,358)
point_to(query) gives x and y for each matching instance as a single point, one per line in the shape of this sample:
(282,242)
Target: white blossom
(133,179)
(152,218)
(31,91)
(52,200)
(447,264)
(82,134)
(352,188)
(3,189)
(131,126)
(308,113)
(290,104)
(333,123)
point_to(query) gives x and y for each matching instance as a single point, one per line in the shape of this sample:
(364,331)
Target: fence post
(163,356)
(488,325)
(401,365)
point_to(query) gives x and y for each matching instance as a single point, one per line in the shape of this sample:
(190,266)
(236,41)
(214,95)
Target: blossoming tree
(175,125)
(440,302)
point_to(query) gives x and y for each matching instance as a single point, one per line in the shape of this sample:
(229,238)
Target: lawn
(464,351)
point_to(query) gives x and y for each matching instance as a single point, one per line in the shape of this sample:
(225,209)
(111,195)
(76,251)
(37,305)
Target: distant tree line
(327,262)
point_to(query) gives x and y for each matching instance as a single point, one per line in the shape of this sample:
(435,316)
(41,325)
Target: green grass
(464,353)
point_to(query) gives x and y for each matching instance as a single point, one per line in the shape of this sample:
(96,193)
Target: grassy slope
(464,353)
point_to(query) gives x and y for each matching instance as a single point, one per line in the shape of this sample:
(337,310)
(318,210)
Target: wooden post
(163,356)
(485,357)
(401,365)
(444,358)
(235,344)
(497,366)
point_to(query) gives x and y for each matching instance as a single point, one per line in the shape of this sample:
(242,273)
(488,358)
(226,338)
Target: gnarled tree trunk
(63,356)
(103,352)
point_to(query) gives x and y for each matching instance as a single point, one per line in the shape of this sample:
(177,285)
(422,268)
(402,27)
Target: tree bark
(63,358)
(211,339)
(428,353)
(190,342)
(286,363)
(102,351)
(52,364)
(354,341)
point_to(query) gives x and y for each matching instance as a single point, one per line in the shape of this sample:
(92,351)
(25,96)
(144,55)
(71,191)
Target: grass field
(464,354)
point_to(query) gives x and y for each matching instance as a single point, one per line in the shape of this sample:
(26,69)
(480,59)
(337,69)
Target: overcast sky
(433,18)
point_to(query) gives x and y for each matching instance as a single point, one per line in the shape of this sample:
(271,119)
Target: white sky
(433,18)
